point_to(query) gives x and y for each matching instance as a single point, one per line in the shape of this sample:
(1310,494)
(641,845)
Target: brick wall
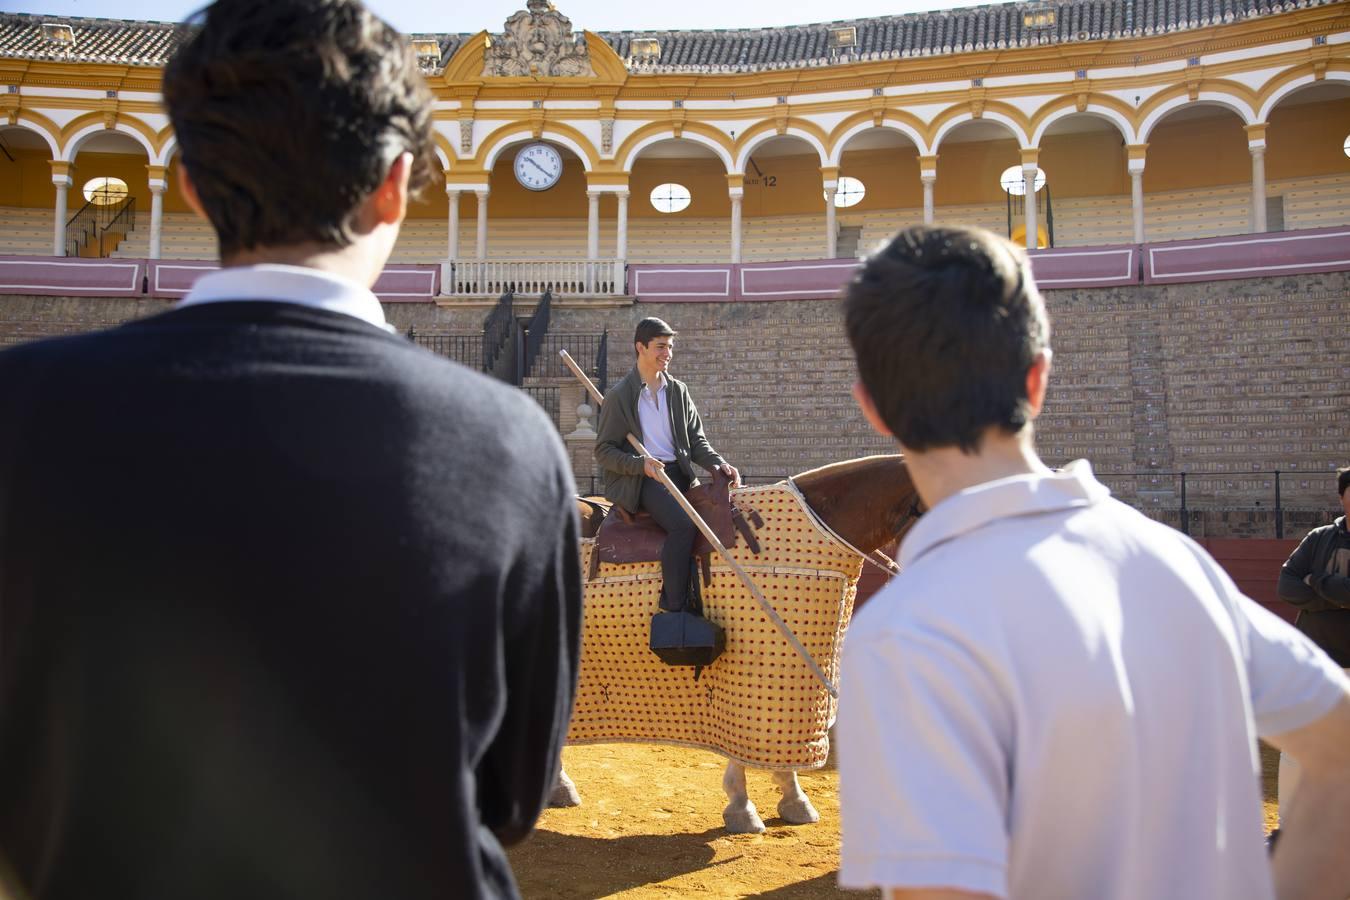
(1226,381)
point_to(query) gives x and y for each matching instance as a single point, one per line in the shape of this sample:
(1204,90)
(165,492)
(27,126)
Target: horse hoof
(798,811)
(742,819)
(564,793)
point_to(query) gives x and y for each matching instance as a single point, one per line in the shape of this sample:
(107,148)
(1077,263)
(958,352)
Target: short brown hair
(945,322)
(288,114)
(1342,480)
(651,327)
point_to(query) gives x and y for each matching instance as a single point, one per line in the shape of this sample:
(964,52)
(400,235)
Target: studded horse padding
(758,703)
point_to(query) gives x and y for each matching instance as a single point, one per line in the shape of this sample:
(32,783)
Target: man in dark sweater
(288,606)
(1316,579)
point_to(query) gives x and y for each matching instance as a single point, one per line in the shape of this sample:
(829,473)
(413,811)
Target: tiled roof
(995,26)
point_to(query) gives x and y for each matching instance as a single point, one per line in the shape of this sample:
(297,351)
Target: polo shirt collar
(1021,495)
(660,380)
(288,284)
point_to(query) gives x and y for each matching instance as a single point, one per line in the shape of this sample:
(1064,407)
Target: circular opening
(1012,181)
(670,197)
(849,192)
(105,191)
(1346,145)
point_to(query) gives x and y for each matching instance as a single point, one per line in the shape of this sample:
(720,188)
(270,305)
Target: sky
(592,15)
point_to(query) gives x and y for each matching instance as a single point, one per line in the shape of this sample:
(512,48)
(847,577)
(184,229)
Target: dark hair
(288,114)
(945,323)
(1342,480)
(649,328)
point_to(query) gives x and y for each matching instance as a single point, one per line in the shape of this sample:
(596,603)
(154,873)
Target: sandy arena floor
(650,826)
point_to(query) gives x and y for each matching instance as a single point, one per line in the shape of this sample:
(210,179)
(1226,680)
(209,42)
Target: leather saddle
(631,538)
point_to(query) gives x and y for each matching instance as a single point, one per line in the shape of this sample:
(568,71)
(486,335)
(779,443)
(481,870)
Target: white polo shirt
(1059,698)
(288,284)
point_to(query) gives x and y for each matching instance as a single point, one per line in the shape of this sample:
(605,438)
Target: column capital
(621,195)
(454,189)
(928,167)
(158,186)
(157,173)
(829,173)
(469,186)
(482,191)
(607,182)
(593,195)
(1256,136)
(60,169)
(1030,155)
(1134,157)
(736,181)
(736,194)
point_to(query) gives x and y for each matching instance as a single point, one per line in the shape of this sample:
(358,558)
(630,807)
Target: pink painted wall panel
(71,277)
(1076,267)
(1248,256)
(807,280)
(683,283)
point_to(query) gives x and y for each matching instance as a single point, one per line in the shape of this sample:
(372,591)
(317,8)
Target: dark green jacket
(621,467)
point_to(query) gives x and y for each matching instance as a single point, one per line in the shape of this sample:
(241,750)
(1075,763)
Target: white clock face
(538,167)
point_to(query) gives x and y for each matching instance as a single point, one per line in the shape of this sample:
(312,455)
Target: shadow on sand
(568,866)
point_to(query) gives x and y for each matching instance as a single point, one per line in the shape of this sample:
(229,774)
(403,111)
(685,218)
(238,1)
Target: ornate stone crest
(538,41)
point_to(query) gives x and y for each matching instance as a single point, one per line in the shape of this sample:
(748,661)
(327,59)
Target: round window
(1346,145)
(1015,183)
(670,198)
(105,191)
(849,192)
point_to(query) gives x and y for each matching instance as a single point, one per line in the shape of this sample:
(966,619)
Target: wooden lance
(708,533)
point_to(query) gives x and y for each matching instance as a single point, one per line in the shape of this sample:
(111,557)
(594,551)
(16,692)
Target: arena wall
(1226,381)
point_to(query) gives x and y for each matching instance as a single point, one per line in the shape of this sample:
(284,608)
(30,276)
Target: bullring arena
(1190,228)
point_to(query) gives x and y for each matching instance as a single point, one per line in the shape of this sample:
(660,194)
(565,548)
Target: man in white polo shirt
(1058,698)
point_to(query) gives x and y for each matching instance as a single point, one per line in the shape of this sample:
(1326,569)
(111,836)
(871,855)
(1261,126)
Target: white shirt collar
(1020,495)
(288,284)
(660,380)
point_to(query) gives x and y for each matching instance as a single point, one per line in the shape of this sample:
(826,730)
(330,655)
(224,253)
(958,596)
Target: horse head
(869,502)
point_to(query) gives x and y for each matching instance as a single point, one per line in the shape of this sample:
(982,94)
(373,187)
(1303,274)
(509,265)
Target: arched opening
(27,195)
(887,164)
(971,160)
(1307,169)
(1198,174)
(785,212)
(94,229)
(1084,156)
(699,231)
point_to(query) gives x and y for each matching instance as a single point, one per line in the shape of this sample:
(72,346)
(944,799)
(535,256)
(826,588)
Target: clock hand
(547,173)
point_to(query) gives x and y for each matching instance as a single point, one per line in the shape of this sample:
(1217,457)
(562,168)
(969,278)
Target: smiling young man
(657,408)
(289,607)
(1057,697)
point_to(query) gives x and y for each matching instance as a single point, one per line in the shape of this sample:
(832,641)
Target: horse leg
(794,807)
(740,816)
(564,792)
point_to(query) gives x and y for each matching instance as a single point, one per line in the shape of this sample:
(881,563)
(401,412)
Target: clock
(538,166)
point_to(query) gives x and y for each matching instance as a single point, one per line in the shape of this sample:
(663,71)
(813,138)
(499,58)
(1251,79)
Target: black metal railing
(93,220)
(122,221)
(501,342)
(584,348)
(466,349)
(1201,503)
(536,332)
(547,396)
(602,362)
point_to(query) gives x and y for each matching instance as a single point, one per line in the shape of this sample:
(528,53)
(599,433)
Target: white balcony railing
(561,277)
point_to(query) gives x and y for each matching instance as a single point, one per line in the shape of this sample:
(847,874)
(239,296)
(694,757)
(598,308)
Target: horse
(850,509)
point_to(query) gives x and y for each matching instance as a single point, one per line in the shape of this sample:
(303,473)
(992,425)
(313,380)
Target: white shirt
(1059,698)
(654,417)
(288,284)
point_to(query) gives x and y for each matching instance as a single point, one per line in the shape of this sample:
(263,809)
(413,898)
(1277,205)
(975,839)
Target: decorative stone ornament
(538,42)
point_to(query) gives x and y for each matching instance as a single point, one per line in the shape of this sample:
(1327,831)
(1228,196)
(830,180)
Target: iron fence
(546,396)
(584,348)
(466,349)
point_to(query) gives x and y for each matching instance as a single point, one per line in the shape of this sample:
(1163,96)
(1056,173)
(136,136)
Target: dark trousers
(677,552)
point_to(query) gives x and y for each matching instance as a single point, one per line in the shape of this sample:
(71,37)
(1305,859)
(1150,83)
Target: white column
(1258,217)
(831,232)
(63,183)
(620,240)
(1029,178)
(452,243)
(737,195)
(929,179)
(592,225)
(157,189)
(482,195)
(1137,202)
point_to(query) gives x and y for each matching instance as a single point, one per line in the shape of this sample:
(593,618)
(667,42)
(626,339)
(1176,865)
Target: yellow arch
(622,156)
(44,126)
(868,115)
(1113,103)
(502,135)
(1271,87)
(751,134)
(79,123)
(1240,94)
(969,107)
